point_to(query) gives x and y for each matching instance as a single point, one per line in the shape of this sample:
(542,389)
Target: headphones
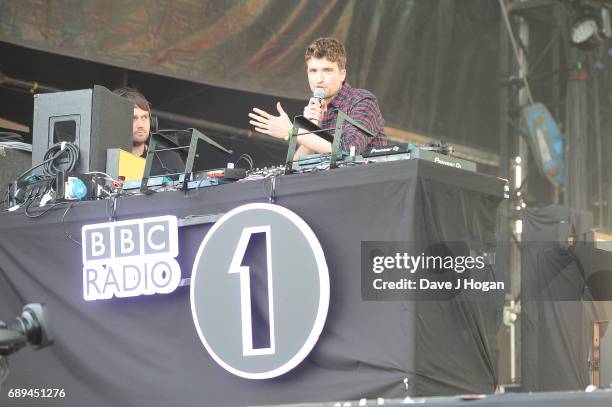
(131,93)
(153,122)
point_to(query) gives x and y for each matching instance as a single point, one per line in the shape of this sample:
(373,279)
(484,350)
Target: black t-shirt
(166,162)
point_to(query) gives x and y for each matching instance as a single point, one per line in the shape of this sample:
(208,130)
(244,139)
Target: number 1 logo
(259,291)
(240,266)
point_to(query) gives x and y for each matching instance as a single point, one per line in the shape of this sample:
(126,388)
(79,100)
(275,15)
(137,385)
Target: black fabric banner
(145,350)
(557,311)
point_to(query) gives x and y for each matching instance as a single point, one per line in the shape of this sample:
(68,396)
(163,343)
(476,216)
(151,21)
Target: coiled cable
(60,157)
(50,166)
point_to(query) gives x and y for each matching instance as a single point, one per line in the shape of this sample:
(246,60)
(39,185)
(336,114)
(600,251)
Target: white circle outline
(323,271)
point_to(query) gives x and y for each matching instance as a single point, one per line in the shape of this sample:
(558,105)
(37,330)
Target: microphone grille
(319,93)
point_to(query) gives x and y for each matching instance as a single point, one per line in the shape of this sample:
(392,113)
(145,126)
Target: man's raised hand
(275,126)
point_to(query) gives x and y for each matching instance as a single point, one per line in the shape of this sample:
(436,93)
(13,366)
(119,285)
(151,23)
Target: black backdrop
(560,300)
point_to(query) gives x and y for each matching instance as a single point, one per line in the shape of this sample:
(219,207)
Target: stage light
(590,27)
(585,32)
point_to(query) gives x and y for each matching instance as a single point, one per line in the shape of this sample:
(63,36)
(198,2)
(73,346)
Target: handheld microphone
(319,94)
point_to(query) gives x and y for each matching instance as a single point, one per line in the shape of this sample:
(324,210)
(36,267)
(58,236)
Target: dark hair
(134,96)
(329,48)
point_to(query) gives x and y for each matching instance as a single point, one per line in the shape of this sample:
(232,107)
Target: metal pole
(518,53)
(598,148)
(32,87)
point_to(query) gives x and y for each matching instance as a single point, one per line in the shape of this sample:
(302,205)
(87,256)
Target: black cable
(271,194)
(26,204)
(163,166)
(68,236)
(33,168)
(246,158)
(49,207)
(111,207)
(74,157)
(25,209)
(51,167)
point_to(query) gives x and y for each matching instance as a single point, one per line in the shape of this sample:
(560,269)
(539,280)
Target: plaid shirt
(361,106)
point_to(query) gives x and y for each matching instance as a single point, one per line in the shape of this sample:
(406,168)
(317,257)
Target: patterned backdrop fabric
(433,64)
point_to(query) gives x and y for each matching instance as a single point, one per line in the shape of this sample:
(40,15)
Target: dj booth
(145,351)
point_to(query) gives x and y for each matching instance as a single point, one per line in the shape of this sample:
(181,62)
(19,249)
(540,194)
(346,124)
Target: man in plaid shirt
(326,68)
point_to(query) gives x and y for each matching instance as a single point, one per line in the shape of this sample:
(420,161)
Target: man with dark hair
(142,119)
(170,161)
(326,69)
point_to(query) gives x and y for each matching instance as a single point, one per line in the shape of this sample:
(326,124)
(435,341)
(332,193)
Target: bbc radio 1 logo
(263,266)
(130,258)
(259,288)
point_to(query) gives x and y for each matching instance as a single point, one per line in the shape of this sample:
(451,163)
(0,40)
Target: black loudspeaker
(13,163)
(93,119)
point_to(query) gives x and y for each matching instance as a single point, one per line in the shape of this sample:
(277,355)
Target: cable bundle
(60,157)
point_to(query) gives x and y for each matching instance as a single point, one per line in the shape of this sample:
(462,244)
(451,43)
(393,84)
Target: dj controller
(66,187)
